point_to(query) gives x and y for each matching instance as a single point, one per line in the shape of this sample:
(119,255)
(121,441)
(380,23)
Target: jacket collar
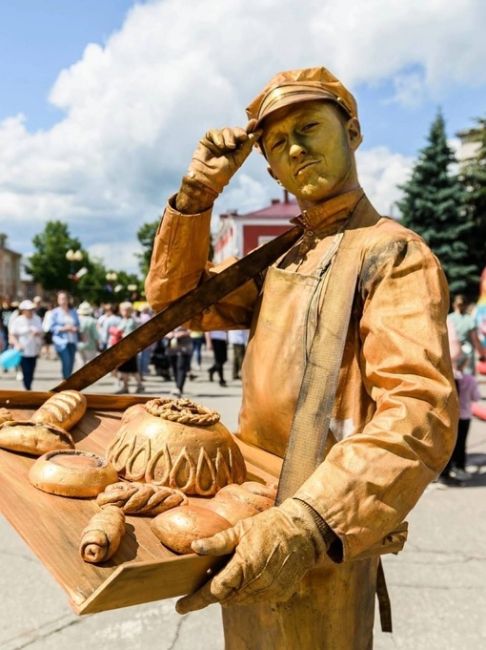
(330,213)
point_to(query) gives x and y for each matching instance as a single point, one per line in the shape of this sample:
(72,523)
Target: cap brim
(275,103)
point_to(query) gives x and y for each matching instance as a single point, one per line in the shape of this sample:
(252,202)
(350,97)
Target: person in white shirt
(25,334)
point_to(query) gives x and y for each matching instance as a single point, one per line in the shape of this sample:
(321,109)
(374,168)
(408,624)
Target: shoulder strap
(310,426)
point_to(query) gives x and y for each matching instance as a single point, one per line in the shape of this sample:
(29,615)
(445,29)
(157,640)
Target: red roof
(277,210)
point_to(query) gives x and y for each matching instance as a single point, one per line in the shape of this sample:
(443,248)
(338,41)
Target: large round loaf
(64,409)
(262,489)
(179,444)
(179,527)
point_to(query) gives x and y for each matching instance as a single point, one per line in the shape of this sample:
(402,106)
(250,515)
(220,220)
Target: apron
(333,609)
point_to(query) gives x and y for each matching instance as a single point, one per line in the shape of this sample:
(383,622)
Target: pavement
(437,584)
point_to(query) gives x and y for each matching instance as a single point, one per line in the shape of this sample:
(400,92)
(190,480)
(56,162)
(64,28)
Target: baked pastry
(179,527)
(63,409)
(179,444)
(72,473)
(233,511)
(237,493)
(268,490)
(102,536)
(34,439)
(141,498)
(5,416)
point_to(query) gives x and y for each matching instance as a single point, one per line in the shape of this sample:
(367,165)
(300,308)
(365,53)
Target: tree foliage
(433,206)
(146,235)
(48,264)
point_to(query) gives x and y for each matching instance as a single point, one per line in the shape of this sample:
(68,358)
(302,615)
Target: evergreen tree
(473,177)
(433,206)
(146,235)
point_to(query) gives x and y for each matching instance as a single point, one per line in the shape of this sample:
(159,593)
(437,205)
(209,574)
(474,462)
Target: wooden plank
(142,569)
(26,399)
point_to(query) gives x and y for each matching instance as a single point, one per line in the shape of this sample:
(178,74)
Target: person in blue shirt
(65,332)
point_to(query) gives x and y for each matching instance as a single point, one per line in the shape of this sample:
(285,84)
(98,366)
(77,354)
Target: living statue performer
(304,573)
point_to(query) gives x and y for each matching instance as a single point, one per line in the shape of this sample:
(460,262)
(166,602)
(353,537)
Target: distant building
(241,233)
(470,144)
(9,271)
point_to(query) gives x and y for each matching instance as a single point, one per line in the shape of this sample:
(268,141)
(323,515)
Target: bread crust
(63,409)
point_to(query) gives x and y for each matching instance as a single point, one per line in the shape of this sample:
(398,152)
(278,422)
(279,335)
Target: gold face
(310,150)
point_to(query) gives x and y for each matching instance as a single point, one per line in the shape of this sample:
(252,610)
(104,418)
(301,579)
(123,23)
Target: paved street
(437,585)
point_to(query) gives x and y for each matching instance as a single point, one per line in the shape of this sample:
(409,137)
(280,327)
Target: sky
(102,102)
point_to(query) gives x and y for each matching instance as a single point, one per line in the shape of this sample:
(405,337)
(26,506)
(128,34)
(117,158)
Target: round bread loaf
(233,510)
(179,527)
(72,473)
(234,492)
(262,489)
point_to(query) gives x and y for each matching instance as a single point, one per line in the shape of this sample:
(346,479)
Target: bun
(233,511)
(34,439)
(268,490)
(63,409)
(141,498)
(232,493)
(102,536)
(179,527)
(72,473)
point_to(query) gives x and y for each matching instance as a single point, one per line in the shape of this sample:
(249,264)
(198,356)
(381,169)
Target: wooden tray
(142,570)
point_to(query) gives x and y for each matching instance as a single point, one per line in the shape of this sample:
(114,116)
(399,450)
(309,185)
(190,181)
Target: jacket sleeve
(370,481)
(180,262)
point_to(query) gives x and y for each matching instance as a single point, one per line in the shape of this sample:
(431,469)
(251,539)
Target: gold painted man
(303,574)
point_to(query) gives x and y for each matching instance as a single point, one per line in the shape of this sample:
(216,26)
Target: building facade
(9,271)
(241,233)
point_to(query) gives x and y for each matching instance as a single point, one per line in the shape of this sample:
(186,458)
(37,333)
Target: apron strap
(312,417)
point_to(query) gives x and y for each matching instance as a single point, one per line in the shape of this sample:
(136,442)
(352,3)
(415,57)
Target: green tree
(48,264)
(146,235)
(433,206)
(473,177)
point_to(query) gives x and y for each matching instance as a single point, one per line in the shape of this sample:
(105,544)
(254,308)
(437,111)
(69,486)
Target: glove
(220,154)
(272,552)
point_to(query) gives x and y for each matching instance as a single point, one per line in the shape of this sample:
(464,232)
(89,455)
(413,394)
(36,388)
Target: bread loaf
(234,492)
(72,473)
(179,527)
(102,536)
(64,409)
(233,510)
(34,439)
(268,490)
(5,416)
(141,498)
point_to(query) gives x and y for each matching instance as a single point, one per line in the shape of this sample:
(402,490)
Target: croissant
(141,498)
(5,416)
(102,536)
(64,409)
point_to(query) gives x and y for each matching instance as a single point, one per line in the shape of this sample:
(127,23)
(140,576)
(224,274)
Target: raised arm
(180,256)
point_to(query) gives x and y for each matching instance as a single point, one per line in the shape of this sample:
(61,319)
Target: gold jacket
(394,419)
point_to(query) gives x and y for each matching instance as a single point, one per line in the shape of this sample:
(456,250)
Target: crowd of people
(76,335)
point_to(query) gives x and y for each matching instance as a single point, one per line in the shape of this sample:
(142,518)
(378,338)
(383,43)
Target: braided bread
(141,498)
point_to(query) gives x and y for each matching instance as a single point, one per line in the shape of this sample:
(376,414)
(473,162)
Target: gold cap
(295,86)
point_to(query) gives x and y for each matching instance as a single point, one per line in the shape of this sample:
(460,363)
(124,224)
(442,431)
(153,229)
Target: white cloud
(135,107)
